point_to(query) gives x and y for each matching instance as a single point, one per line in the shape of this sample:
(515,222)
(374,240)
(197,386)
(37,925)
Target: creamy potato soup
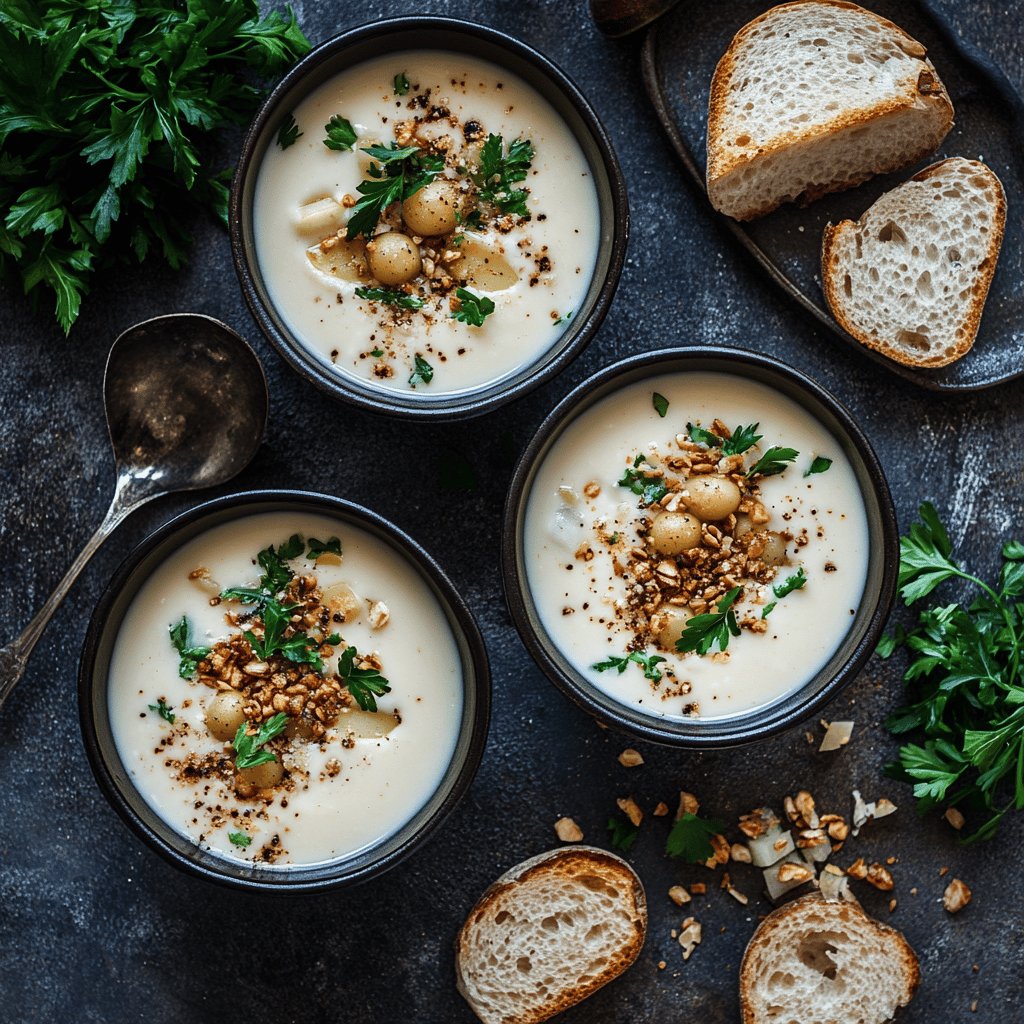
(696,545)
(427,222)
(268,692)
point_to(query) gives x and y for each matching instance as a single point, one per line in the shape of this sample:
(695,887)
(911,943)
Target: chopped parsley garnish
(660,403)
(189,653)
(499,170)
(773,462)
(299,648)
(340,133)
(768,609)
(365,684)
(164,711)
(701,436)
(276,575)
(423,372)
(473,309)
(613,539)
(401,84)
(702,632)
(247,595)
(377,352)
(650,489)
(247,748)
(819,465)
(690,838)
(395,174)
(319,547)
(648,662)
(564,319)
(390,298)
(791,583)
(742,438)
(239,839)
(288,134)
(965,682)
(623,833)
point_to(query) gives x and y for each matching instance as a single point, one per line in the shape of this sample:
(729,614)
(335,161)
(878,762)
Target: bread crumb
(662,965)
(954,817)
(631,758)
(943,871)
(698,889)
(892,905)
(738,896)
(661,810)
(631,809)
(690,936)
(740,853)
(568,831)
(678,895)
(956,896)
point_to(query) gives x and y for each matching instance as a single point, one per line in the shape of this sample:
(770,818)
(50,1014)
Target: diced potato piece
(319,218)
(367,725)
(483,266)
(770,849)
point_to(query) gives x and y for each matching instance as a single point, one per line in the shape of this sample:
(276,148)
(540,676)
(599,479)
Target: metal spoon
(186,404)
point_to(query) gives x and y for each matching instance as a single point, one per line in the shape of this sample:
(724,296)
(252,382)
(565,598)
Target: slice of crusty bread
(549,933)
(911,276)
(813,97)
(819,961)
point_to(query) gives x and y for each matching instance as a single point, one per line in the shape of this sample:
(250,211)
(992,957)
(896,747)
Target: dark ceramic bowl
(865,628)
(115,780)
(423,33)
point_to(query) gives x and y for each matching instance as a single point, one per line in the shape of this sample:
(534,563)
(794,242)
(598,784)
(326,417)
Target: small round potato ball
(672,533)
(224,714)
(712,497)
(393,258)
(774,550)
(673,619)
(262,776)
(431,211)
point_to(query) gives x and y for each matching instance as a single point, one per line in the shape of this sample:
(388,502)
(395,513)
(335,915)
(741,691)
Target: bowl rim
(785,712)
(519,382)
(472,734)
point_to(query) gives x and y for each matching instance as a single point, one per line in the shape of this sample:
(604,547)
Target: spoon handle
(14,656)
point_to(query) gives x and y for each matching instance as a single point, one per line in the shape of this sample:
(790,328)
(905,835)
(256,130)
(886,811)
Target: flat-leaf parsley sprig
(965,681)
(648,662)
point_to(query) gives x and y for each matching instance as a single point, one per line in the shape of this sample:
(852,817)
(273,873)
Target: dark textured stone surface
(95,928)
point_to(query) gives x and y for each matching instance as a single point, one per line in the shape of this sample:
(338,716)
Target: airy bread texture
(549,933)
(813,97)
(819,961)
(910,278)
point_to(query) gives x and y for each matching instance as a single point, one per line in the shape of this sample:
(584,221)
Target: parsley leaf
(768,609)
(401,84)
(395,174)
(288,134)
(247,747)
(318,547)
(660,403)
(650,488)
(773,461)
(690,838)
(701,436)
(390,298)
(648,662)
(702,632)
(790,583)
(239,839)
(365,684)
(473,309)
(423,372)
(820,464)
(276,575)
(562,319)
(299,647)
(340,134)
(189,653)
(742,438)
(623,833)
(499,170)
(164,711)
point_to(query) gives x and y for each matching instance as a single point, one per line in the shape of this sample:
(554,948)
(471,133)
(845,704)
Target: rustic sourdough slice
(911,276)
(814,97)
(549,933)
(819,961)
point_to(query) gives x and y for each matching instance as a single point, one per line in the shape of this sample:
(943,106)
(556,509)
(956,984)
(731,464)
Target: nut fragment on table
(631,758)
(631,809)
(956,896)
(568,831)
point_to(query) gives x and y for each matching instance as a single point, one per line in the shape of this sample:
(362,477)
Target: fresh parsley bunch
(965,680)
(106,115)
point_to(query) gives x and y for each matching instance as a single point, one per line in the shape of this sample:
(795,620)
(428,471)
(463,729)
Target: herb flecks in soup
(440,226)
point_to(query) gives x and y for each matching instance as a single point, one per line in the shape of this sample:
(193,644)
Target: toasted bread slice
(910,278)
(549,933)
(819,961)
(813,97)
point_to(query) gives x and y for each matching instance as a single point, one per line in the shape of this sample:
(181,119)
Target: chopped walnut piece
(661,810)
(722,849)
(805,805)
(883,808)
(835,825)
(790,872)
(592,489)
(631,809)
(698,889)
(688,804)
(631,758)
(879,877)
(678,895)
(378,614)
(690,936)
(740,853)
(954,817)
(568,831)
(738,896)
(956,896)
(858,869)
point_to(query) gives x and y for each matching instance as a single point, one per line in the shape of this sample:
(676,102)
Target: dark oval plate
(679,58)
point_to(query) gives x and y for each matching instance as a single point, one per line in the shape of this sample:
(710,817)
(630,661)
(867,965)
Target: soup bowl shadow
(115,780)
(866,625)
(394,35)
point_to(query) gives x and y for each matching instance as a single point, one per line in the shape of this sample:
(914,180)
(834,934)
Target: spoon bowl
(186,403)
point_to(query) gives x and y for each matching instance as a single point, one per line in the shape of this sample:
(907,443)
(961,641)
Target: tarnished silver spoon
(186,404)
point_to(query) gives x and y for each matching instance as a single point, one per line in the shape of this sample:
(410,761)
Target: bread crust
(831,271)
(720,164)
(844,911)
(569,862)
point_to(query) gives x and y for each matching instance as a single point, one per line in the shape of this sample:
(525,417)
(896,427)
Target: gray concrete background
(95,928)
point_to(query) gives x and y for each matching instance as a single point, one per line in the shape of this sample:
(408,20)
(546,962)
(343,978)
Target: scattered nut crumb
(688,804)
(568,831)
(631,758)
(661,810)
(690,936)
(954,817)
(956,896)
(631,809)
(678,895)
